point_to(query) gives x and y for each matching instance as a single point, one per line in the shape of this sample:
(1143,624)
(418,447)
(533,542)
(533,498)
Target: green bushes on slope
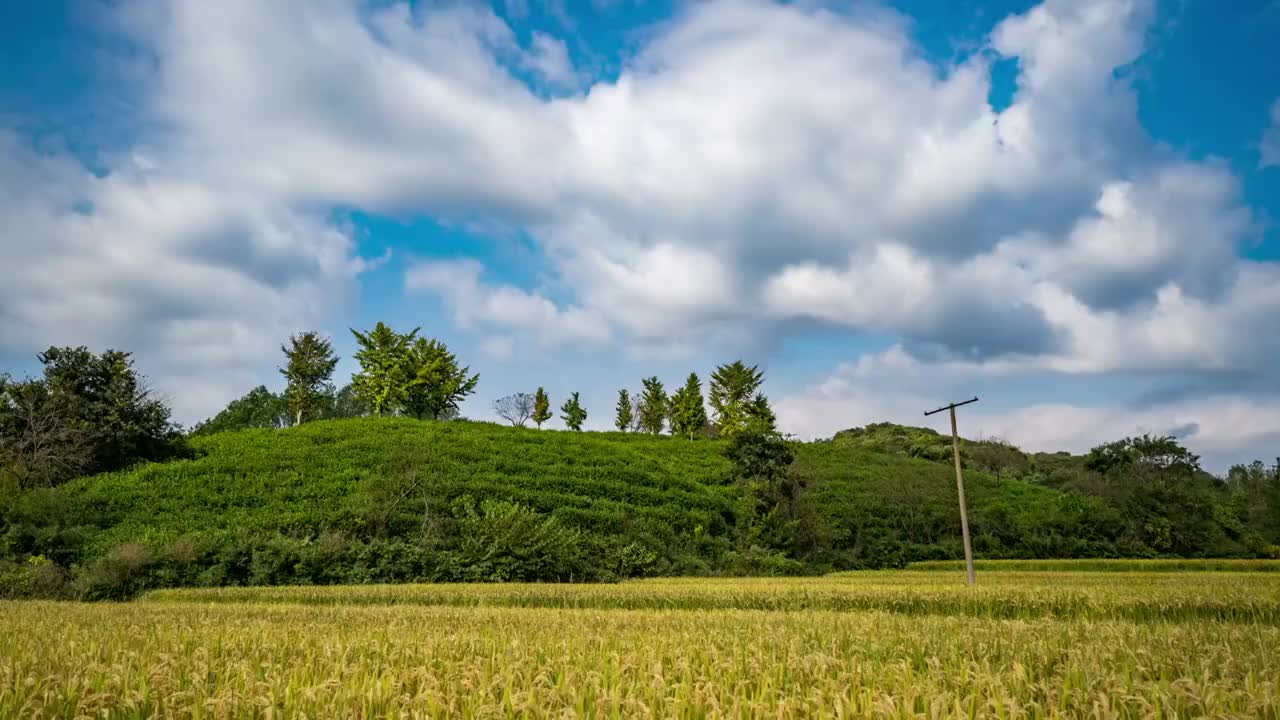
(394,500)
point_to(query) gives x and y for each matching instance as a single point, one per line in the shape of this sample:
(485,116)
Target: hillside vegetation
(397,499)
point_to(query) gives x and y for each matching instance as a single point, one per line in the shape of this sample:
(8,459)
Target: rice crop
(1107,565)
(853,645)
(1135,597)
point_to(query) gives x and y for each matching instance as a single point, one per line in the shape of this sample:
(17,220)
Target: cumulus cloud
(895,386)
(1269,148)
(752,165)
(458,282)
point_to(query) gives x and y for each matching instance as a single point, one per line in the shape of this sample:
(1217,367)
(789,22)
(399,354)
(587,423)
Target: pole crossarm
(951,406)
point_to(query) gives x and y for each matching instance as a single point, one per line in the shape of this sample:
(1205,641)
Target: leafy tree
(574,414)
(344,403)
(637,414)
(436,383)
(1166,498)
(85,404)
(760,417)
(735,399)
(688,413)
(624,414)
(258,408)
(308,370)
(515,409)
(653,406)
(383,380)
(541,407)
(106,397)
(776,516)
(39,447)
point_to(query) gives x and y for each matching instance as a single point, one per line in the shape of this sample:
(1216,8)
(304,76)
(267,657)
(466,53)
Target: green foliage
(736,401)
(541,408)
(624,414)
(382,500)
(688,411)
(383,380)
(574,414)
(506,541)
(653,406)
(258,408)
(87,413)
(436,382)
(344,403)
(308,370)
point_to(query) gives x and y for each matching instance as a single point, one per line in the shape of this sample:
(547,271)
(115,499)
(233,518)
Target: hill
(393,499)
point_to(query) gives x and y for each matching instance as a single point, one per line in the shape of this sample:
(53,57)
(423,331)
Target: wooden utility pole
(964,513)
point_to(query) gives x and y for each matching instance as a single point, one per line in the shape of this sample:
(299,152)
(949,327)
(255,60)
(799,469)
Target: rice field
(877,644)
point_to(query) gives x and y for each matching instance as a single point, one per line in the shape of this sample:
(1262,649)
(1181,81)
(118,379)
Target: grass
(1104,565)
(854,645)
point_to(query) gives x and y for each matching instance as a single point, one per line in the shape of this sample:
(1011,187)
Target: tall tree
(541,407)
(653,406)
(760,417)
(574,414)
(688,412)
(344,403)
(383,380)
(515,409)
(89,413)
(309,366)
(39,447)
(732,393)
(624,415)
(436,383)
(258,408)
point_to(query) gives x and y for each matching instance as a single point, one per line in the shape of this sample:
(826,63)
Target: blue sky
(1066,207)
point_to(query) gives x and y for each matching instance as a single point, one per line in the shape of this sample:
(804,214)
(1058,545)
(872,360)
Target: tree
(258,408)
(688,413)
(88,413)
(344,403)
(383,380)
(637,414)
(735,399)
(622,420)
(436,384)
(38,446)
(1166,499)
(574,414)
(760,417)
(653,406)
(308,370)
(777,517)
(541,408)
(515,409)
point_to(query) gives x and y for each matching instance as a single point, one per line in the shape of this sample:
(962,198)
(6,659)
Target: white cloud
(753,165)
(548,58)
(473,303)
(894,386)
(1269,148)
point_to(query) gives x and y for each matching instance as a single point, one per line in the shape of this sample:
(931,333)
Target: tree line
(737,406)
(89,413)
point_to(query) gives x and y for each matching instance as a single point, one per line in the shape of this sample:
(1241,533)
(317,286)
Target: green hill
(386,500)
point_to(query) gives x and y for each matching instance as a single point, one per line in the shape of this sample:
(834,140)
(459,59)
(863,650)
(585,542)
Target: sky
(1067,208)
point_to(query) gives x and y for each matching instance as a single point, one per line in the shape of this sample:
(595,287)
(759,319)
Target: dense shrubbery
(395,500)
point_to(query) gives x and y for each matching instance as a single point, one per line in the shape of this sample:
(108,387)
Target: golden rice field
(879,644)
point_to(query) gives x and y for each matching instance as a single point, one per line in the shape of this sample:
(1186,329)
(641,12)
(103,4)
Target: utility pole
(964,513)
